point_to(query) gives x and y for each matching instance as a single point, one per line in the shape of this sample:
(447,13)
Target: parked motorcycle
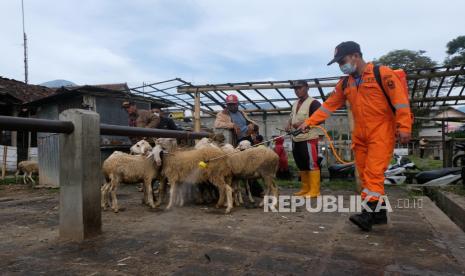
(395,172)
(393,175)
(440,177)
(459,155)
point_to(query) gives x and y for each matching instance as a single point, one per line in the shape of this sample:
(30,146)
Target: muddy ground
(201,240)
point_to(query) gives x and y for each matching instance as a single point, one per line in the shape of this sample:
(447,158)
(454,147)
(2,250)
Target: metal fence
(79,133)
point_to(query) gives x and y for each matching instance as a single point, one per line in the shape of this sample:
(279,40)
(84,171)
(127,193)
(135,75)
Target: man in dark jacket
(165,122)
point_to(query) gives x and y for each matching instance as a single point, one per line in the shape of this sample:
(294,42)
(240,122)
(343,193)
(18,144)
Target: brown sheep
(122,167)
(253,163)
(28,168)
(182,166)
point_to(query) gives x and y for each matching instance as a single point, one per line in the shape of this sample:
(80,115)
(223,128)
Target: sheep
(249,162)
(28,168)
(243,145)
(168,144)
(182,166)
(205,191)
(122,167)
(204,142)
(141,147)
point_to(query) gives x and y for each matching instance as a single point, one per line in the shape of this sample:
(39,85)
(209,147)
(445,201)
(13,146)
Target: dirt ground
(201,240)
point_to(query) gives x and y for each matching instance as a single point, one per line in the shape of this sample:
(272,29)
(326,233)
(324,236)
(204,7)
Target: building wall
(110,112)
(269,124)
(47,144)
(11,157)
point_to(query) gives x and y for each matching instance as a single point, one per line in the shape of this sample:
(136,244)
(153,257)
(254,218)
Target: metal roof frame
(429,87)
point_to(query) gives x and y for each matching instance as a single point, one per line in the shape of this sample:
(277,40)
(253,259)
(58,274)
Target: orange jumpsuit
(375,124)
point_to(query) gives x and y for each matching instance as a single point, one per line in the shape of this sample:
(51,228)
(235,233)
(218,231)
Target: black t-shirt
(167,123)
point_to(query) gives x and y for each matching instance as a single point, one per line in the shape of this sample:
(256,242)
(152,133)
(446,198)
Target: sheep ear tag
(202,165)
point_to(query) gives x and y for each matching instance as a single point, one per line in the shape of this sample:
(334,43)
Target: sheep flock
(177,170)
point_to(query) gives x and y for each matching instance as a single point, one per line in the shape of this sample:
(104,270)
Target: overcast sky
(212,41)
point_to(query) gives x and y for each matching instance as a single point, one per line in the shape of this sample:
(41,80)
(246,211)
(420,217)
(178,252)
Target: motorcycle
(394,175)
(440,177)
(459,155)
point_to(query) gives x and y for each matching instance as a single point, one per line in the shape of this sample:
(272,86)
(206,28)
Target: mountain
(58,83)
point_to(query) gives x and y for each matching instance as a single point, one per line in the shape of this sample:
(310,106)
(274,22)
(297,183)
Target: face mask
(156,114)
(348,68)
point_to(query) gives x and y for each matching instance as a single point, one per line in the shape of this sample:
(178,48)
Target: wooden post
(80,176)
(5,153)
(197,112)
(443,140)
(358,181)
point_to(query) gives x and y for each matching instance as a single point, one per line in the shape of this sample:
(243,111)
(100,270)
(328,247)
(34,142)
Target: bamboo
(358,181)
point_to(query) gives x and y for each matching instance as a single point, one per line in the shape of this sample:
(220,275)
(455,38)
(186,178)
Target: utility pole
(25,47)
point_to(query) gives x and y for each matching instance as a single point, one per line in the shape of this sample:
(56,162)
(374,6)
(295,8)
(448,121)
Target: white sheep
(142,147)
(182,166)
(205,142)
(27,167)
(121,167)
(249,162)
(246,163)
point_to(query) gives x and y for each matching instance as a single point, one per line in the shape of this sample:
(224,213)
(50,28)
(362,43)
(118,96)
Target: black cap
(344,49)
(299,83)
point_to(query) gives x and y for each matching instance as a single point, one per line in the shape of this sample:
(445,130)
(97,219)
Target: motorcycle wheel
(463,176)
(459,160)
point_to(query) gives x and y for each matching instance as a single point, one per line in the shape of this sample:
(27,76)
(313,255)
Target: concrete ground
(200,240)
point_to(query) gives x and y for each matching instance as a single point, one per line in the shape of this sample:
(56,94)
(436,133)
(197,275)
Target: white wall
(11,157)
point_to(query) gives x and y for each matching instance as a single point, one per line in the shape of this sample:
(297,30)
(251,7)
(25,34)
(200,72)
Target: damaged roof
(24,93)
(118,91)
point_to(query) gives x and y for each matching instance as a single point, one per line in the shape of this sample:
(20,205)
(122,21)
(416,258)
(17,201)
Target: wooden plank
(197,113)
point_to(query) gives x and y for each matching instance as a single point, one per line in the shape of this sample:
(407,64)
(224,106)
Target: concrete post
(80,175)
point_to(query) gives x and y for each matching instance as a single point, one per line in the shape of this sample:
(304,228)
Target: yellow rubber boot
(305,187)
(314,179)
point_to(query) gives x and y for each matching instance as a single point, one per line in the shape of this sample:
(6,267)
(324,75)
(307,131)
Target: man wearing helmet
(233,118)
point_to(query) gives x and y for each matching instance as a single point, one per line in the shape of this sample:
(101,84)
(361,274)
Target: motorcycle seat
(426,176)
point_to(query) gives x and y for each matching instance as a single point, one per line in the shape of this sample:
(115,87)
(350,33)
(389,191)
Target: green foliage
(10,180)
(456,189)
(425,164)
(456,134)
(411,60)
(455,51)
(406,59)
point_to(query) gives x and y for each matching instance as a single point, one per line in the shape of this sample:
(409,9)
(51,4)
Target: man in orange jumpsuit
(376,123)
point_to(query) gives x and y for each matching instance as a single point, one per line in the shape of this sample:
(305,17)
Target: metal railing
(55,126)
(39,125)
(80,177)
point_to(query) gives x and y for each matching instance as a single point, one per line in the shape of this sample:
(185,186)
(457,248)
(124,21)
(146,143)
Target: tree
(409,60)
(455,51)
(406,59)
